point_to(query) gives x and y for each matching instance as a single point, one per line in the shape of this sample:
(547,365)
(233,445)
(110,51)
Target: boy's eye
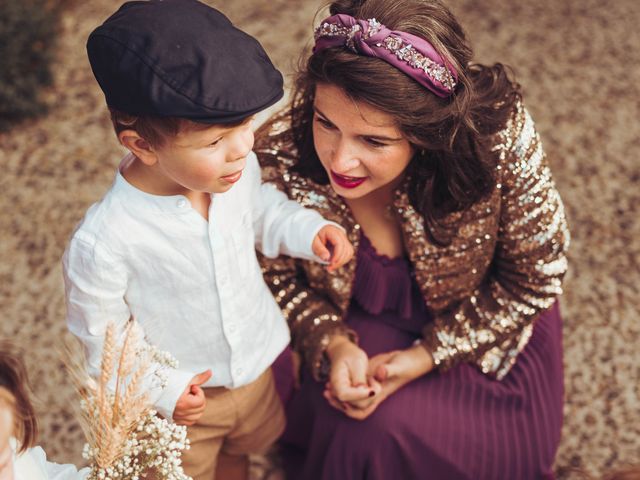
(215,142)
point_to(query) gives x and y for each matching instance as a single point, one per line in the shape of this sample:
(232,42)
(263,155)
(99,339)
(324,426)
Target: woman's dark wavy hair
(14,393)
(453,167)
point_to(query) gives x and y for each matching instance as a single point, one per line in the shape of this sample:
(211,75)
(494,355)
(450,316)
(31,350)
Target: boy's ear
(141,148)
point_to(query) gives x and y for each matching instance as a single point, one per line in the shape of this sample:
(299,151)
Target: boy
(172,242)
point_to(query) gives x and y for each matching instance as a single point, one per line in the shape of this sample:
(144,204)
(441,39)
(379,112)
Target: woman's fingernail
(371,393)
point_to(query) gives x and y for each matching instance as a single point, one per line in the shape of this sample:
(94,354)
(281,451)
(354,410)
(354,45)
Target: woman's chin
(350,193)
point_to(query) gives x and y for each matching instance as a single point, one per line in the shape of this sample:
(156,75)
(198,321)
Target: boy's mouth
(233,178)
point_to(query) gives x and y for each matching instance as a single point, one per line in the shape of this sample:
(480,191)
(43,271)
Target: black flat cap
(181,58)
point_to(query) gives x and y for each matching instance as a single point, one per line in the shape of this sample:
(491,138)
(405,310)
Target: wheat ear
(106,372)
(125,365)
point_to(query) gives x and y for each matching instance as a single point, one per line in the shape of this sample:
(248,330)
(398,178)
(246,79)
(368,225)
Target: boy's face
(209,160)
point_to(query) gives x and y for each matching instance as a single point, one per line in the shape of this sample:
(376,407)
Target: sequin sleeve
(311,314)
(495,322)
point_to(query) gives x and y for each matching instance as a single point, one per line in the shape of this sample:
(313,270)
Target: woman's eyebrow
(382,138)
(373,137)
(319,112)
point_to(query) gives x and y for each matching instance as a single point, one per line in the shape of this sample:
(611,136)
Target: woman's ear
(141,148)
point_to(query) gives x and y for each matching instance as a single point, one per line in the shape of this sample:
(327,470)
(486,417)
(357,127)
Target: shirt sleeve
(95,285)
(281,225)
(55,471)
(312,317)
(494,324)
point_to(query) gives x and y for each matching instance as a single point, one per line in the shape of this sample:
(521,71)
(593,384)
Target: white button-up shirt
(194,286)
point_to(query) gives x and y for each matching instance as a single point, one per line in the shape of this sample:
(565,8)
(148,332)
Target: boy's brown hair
(14,388)
(155,130)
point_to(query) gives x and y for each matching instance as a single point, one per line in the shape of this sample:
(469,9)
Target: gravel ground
(578,63)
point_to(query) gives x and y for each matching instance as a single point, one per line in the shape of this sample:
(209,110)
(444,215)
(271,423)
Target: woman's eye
(324,123)
(375,143)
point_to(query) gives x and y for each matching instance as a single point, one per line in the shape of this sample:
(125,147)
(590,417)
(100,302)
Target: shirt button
(181,203)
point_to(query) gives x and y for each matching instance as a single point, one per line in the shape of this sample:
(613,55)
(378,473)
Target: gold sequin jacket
(484,290)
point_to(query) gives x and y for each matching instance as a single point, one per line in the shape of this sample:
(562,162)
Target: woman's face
(359,146)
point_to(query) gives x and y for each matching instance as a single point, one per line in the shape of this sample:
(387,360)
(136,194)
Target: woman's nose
(344,158)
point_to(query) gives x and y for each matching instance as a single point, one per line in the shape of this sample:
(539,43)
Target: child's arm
(283,226)
(95,284)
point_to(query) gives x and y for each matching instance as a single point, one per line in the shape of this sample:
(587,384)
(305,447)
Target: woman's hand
(388,372)
(349,372)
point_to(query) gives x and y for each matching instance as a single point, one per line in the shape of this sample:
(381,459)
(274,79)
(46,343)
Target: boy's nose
(241,147)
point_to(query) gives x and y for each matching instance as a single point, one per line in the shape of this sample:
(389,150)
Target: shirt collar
(160,203)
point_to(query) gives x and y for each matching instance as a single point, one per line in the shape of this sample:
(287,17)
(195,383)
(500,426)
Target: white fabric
(33,465)
(194,286)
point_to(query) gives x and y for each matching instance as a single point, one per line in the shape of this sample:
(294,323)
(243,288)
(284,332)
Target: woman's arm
(312,317)
(495,323)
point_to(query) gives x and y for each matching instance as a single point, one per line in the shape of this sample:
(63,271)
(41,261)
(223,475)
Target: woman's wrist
(421,358)
(335,342)
(328,344)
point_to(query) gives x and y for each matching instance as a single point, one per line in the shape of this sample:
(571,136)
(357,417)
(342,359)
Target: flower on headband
(408,53)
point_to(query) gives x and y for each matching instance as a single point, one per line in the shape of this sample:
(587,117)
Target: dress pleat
(459,424)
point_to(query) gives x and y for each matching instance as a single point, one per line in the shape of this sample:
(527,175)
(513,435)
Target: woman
(440,345)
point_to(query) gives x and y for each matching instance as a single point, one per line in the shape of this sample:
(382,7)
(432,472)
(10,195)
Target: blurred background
(579,64)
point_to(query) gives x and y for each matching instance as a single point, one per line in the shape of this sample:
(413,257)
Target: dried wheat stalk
(109,418)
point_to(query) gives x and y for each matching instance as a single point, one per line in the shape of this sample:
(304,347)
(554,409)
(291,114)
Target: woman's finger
(350,409)
(348,393)
(362,404)
(334,402)
(361,414)
(393,368)
(349,380)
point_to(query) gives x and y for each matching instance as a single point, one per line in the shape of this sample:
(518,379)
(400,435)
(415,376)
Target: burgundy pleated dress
(454,425)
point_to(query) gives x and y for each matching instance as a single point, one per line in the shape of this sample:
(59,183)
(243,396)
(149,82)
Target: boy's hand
(332,245)
(192,401)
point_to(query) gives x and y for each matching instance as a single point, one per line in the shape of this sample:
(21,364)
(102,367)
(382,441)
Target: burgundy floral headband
(408,53)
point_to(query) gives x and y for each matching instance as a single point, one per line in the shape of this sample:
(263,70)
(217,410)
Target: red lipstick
(347,182)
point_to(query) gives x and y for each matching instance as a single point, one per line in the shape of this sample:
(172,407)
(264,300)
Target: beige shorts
(239,421)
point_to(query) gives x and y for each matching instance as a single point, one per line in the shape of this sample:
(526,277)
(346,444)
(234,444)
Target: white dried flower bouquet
(126,439)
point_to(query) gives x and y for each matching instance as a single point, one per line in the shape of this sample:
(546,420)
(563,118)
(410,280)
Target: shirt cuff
(177,381)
